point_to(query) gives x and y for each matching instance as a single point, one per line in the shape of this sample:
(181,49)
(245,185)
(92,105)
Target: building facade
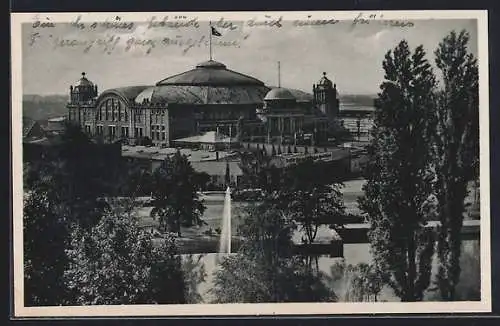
(207,98)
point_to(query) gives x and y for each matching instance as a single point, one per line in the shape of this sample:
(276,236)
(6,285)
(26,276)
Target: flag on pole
(215,32)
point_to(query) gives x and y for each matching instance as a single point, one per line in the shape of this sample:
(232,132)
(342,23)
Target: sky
(351,55)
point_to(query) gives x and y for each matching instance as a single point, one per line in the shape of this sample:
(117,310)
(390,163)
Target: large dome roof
(210,73)
(279,94)
(179,94)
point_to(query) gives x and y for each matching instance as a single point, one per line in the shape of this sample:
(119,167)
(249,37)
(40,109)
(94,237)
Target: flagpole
(210,41)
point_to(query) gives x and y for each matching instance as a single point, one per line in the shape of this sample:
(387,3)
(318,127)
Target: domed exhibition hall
(209,97)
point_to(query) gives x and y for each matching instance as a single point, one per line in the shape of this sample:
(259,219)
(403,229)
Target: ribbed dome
(210,73)
(279,94)
(83,81)
(189,94)
(324,81)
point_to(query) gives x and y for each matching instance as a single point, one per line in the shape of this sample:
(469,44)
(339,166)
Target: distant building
(201,99)
(326,97)
(357,118)
(32,130)
(285,117)
(55,126)
(209,97)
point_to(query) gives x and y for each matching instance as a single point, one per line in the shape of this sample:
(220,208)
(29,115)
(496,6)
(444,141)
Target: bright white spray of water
(225,236)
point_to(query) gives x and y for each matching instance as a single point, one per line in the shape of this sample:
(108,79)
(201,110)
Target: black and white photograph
(240,163)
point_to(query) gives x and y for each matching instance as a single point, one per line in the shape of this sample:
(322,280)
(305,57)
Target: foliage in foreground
(60,190)
(194,274)
(175,198)
(358,283)
(116,263)
(398,193)
(424,152)
(45,238)
(457,151)
(265,270)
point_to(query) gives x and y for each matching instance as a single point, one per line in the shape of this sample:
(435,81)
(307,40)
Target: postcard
(250,163)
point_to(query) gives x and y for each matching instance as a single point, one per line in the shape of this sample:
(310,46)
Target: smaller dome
(279,94)
(211,64)
(84,81)
(324,81)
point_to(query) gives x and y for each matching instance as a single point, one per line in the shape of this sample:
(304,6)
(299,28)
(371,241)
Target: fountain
(225,236)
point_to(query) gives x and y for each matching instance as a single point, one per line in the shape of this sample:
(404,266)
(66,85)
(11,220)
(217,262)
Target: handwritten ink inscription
(116,33)
(176,22)
(315,22)
(362,19)
(42,22)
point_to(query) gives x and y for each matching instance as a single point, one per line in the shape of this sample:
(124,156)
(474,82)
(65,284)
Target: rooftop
(28,124)
(57,119)
(210,137)
(217,168)
(210,73)
(279,94)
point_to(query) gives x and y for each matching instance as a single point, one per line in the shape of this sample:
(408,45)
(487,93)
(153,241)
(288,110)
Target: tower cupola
(83,90)
(325,97)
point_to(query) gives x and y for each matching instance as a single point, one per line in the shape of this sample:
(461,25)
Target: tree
(310,198)
(310,195)
(194,274)
(83,173)
(116,263)
(61,189)
(363,283)
(457,149)
(254,166)
(227,177)
(264,269)
(337,131)
(137,180)
(45,236)
(175,197)
(398,193)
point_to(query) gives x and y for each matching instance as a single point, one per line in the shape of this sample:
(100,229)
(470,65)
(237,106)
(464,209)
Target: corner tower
(82,98)
(325,97)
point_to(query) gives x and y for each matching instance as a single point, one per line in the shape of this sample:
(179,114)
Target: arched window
(120,111)
(107,110)
(115,109)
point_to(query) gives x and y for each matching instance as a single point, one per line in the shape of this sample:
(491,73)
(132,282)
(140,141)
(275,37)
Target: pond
(467,289)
